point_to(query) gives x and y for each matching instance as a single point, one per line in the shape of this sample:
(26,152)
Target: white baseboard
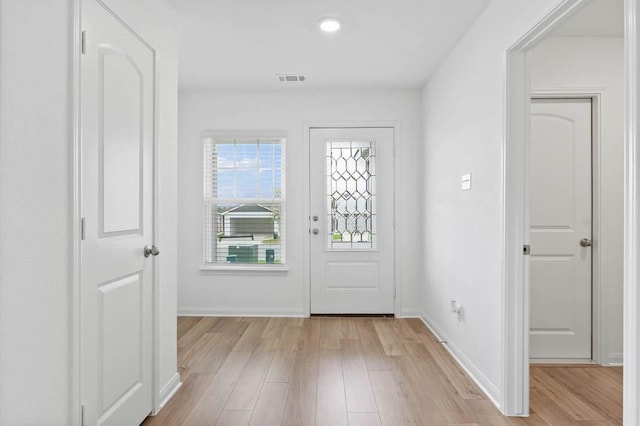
(168,391)
(262,312)
(616,360)
(238,312)
(485,385)
(562,361)
(409,313)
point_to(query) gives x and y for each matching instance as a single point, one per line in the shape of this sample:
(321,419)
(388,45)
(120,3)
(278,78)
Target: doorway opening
(518,192)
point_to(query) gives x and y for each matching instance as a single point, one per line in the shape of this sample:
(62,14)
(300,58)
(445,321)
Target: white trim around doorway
(631,395)
(515,362)
(76,377)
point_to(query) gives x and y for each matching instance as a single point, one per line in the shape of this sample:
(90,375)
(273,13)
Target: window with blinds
(244,201)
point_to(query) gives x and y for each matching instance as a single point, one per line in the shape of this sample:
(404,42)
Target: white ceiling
(384,44)
(599,18)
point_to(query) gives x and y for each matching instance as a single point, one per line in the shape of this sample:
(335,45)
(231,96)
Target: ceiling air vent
(291,78)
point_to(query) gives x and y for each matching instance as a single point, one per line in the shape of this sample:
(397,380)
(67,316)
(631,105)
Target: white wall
(598,64)
(36,202)
(463,132)
(283,293)
(36,147)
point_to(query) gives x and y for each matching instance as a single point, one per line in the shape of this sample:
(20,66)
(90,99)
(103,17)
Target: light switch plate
(466,182)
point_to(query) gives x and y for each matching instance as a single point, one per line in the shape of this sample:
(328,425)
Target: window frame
(222,137)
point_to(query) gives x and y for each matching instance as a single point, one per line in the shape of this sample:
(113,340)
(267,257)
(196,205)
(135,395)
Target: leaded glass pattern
(351,189)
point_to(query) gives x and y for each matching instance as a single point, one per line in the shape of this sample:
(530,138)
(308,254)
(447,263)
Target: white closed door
(351,222)
(117,143)
(560,229)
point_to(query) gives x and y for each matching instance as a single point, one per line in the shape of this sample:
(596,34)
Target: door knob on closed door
(150,249)
(585,242)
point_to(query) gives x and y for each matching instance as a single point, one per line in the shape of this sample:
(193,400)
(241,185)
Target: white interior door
(560,233)
(117,132)
(351,223)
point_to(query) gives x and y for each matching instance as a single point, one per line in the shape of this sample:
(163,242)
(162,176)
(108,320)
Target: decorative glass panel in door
(351,187)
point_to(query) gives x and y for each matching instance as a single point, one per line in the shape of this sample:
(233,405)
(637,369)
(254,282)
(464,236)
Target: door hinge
(82,228)
(83,42)
(394,292)
(526,250)
(394,222)
(82,414)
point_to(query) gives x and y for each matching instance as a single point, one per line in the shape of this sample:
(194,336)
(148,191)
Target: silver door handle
(150,249)
(585,242)
(315,231)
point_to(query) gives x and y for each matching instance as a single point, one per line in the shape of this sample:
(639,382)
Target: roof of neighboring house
(249,208)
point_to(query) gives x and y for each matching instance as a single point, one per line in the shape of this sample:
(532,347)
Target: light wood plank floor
(357,371)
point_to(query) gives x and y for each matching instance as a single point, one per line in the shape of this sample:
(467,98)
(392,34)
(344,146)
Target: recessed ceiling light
(329,25)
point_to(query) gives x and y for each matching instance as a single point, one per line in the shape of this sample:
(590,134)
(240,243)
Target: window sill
(244,268)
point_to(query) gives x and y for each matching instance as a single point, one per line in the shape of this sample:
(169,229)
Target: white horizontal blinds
(243,192)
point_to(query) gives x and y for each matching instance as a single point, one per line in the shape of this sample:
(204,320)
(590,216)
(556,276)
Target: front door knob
(150,250)
(585,242)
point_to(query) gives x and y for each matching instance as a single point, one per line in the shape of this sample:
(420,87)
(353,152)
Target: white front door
(117,143)
(560,233)
(351,223)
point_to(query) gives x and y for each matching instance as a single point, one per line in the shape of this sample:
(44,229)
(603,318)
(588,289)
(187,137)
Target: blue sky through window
(248,170)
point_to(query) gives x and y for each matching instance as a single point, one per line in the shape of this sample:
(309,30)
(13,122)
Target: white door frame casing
(76,408)
(306,294)
(515,360)
(631,355)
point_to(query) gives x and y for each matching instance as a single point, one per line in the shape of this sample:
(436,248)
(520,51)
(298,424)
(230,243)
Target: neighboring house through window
(244,201)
